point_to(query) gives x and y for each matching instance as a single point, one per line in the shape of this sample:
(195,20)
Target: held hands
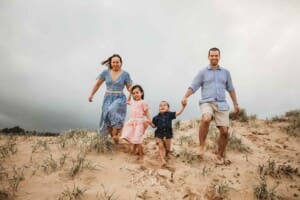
(184,101)
(149,123)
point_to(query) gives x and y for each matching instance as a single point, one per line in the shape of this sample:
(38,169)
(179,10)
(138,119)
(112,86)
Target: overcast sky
(50,54)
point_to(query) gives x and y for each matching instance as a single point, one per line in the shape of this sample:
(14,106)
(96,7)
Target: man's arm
(234,101)
(188,93)
(231,91)
(196,84)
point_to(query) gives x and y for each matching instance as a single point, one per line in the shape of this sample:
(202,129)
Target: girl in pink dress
(135,127)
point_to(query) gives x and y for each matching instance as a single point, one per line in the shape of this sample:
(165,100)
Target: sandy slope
(119,174)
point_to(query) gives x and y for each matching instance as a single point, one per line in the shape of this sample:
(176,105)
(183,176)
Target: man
(213,80)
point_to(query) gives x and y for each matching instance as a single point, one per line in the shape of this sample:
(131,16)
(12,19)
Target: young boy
(164,132)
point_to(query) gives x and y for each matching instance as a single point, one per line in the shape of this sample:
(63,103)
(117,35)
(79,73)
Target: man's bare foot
(219,160)
(219,157)
(200,152)
(163,164)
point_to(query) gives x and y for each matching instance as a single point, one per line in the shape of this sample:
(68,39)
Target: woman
(114,103)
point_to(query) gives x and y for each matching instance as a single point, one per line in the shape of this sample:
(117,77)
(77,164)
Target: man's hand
(184,101)
(237,109)
(90,98)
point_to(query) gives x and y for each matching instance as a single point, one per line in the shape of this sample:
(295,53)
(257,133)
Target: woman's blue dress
(114,104)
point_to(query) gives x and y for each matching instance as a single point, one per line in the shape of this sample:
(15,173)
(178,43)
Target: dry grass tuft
(106,194)
(72,194)
(263,193)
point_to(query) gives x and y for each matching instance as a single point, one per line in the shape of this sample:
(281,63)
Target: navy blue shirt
(163,122)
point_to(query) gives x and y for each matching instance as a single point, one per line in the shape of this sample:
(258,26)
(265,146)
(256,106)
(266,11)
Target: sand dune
(77,165)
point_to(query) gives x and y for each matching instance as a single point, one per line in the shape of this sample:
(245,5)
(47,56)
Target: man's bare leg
(162,151)
(206,119)
(223,139)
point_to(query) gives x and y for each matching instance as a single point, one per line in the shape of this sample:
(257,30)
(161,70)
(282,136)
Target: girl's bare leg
(133,151)
(162,151)
(140,151)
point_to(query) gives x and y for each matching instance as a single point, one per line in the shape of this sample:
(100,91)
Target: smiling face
(163,107)
(115,63)
(214,57)
(137,94)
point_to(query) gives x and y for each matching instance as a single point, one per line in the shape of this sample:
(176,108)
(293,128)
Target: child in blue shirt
(164,133)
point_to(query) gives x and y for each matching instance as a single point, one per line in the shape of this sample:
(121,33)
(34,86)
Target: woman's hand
(95,88)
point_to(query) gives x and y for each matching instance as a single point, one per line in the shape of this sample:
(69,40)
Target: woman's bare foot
(116,139)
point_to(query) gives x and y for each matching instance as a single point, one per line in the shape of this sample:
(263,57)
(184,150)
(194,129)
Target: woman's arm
(95,88)
(128,86)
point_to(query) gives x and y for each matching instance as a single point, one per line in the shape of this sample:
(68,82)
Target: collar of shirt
(210,68)
(164,113)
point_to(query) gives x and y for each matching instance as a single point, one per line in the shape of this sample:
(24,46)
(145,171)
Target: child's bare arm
(128,86)
(149,120)
(152,125)
(148,116)
(129,98)
(181,110)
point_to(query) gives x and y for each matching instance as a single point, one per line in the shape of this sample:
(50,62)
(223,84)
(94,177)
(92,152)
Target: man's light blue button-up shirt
(213,84)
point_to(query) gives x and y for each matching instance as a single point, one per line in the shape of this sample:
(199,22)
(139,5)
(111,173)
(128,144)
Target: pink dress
(133,130)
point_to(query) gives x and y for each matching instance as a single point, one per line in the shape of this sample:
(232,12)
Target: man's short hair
(214,49)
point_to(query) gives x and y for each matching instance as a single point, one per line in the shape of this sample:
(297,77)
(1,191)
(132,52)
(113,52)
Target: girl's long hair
(107,62)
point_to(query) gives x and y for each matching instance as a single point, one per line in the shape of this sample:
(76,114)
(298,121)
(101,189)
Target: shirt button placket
(215,82)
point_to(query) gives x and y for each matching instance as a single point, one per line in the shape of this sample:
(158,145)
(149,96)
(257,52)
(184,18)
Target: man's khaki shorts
(221,117)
